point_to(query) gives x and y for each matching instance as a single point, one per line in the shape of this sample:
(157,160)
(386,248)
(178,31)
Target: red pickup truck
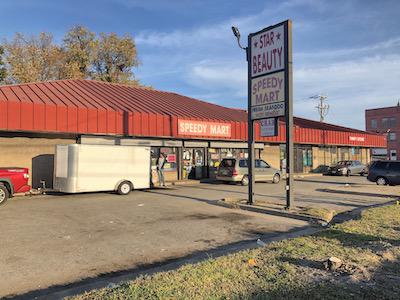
(12,181)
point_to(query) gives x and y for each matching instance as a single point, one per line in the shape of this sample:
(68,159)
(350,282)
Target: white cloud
(219,74)
(390,44)
(208,33)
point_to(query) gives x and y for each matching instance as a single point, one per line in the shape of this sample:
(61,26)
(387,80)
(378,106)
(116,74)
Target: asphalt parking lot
(339,193)
(58,239)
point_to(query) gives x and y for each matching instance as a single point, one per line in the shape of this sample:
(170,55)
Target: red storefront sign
(201,128)
(171,158)
(356,138)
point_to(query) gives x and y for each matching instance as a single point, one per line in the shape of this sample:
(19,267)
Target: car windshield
(344,163)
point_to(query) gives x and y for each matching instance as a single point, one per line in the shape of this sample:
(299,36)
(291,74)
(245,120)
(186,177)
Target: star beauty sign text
(267,51)
(267,68)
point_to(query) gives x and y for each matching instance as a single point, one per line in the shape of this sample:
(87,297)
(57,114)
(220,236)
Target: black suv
(385,172)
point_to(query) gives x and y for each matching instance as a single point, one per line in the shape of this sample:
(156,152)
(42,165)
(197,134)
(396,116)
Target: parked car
(348,167)
(13,181)
(385,172)
(236,170)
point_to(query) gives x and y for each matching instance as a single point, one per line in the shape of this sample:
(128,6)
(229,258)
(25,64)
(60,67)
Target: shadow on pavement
(333,182)
(208,188)
(335,202)
(357,193)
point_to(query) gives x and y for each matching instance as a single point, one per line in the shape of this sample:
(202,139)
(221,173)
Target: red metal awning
(95,107)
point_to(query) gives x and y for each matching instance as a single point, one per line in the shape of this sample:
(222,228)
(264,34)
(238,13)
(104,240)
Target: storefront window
(187,162)
(213,157)
(302,158)
(226,153)
(199,157)
(344,153)
(171,156)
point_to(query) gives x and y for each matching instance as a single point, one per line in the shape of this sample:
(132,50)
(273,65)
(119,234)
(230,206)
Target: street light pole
(250,123)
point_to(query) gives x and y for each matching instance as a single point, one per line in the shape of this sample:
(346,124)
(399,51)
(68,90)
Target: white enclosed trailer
(93,168)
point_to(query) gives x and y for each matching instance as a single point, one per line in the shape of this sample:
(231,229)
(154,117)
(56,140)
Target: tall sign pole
(270,92)
(289,115)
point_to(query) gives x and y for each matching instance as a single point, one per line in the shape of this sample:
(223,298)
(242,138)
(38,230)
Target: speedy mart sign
(201,128)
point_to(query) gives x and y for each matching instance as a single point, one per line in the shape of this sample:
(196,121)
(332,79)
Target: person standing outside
(160,169)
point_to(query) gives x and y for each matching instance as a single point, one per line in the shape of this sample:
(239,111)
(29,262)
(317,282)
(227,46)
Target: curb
(271,211)
(281,213)
(301,175)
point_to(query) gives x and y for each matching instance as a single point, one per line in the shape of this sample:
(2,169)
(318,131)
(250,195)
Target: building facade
(386,121)
(194,135)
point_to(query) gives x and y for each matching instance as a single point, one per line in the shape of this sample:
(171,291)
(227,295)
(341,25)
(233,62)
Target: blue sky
(348,50)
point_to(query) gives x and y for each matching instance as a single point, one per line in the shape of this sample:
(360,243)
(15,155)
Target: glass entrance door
(193,163)
(199,162)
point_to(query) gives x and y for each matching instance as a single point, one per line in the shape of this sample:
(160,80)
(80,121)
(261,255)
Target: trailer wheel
(124,188)
(4,194)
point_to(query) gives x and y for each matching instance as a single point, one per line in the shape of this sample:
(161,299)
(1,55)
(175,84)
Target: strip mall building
(194,134)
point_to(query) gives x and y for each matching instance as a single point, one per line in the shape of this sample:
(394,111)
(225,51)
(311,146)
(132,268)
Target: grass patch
(319,212)
(289,269)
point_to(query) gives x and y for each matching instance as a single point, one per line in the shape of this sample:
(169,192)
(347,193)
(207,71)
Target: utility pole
(322,107)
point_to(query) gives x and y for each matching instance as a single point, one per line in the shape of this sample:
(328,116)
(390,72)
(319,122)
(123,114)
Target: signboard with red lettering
(268,66)
(267,51)
(269,127)
(268,89)
(202,128)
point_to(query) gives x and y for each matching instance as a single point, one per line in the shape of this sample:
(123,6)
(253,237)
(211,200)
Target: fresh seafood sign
(268,110)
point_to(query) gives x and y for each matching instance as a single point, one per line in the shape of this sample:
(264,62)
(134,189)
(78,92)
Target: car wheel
(4,194)
(348,173)
(381,181)
(124,188)
(276,178)
(245,180)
